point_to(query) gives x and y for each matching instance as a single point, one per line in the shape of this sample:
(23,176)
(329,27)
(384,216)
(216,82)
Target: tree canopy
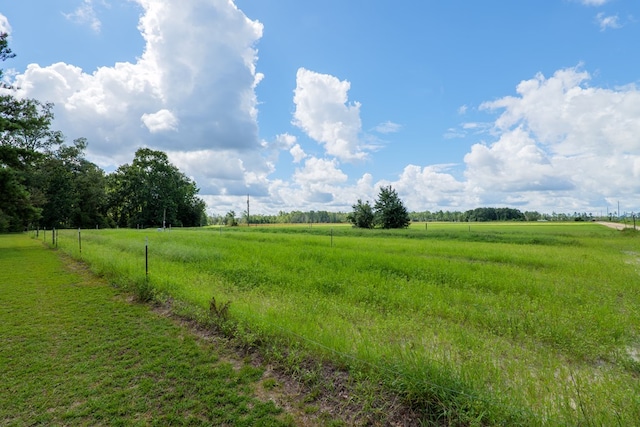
(153,192)
(389,210)
(74,189)
(362,215)
(17,206)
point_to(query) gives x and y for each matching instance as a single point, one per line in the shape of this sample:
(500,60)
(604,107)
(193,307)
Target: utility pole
(248,215)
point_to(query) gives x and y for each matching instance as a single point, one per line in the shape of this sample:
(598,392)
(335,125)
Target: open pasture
(472,323)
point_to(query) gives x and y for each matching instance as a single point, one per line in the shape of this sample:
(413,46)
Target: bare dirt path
(616,225)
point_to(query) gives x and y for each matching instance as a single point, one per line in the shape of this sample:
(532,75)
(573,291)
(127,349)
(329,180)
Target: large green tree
(74,189)
(362,215)
(18,205)
(153,192)
(389,210)
(26,124)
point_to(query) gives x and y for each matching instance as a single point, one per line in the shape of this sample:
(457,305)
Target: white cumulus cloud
(297,153)
(323,112)
(197,70)
(560,144)
(319,171)
(161,121)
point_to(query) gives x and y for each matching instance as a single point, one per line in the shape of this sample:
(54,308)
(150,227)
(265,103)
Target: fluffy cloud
(323,113)
(318,172)
(191,89)
(561,144)
(569,117)
(297,153)
(515,163)
(222,172)
(285,141)
(429,187)
(163,120)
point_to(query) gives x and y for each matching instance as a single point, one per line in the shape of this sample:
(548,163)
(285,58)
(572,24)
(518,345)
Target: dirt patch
(616,225)
(336,399)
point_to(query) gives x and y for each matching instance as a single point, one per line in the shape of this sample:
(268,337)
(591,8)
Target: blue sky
(312,105)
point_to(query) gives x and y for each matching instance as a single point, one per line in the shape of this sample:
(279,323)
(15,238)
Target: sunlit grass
(528,323)
(73,352)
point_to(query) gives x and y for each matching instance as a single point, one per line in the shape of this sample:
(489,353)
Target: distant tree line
(500,214)
(389,205)
(294,217)
(47,183)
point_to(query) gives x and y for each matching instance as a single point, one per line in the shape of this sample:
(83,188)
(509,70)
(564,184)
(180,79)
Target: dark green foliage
(153,192)
(362,215)
(493,214)
(389,210)
(293,217)
(18,206)
(24,134)
(230,219)
(25,137)
(26,124)
(16,210)
(75,189)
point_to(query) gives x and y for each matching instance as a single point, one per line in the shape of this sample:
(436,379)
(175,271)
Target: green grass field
(74,352)
(523,324)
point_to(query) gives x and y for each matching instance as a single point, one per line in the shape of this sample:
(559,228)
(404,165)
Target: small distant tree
(389,210)
(230,219)
(362,215)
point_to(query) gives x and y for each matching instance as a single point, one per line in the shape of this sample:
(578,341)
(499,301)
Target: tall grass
(491,324)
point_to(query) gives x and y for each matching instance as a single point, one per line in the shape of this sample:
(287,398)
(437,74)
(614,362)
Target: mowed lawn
(73,351)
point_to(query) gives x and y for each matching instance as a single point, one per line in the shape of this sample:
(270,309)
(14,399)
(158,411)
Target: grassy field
(524,324)
(74,352)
